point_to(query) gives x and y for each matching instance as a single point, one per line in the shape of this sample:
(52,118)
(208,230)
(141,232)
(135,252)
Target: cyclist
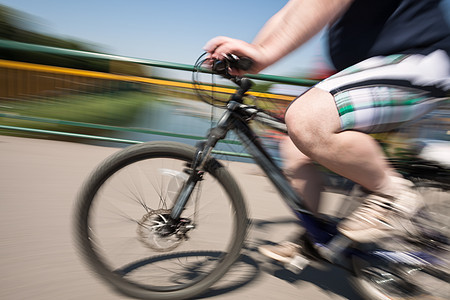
(392,58)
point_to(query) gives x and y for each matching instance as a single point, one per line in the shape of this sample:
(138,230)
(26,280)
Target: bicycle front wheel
(123,214)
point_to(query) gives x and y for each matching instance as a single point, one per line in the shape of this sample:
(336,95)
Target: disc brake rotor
(156,232)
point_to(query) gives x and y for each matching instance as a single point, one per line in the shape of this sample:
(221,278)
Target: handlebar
(222,68)
(231,61)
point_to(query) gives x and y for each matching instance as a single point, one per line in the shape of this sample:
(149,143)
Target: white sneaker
(383,215)
(283,252)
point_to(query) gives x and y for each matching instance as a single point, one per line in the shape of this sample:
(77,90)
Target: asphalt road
(39,180)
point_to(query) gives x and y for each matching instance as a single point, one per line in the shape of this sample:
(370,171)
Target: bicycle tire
(391,282)
(93,239)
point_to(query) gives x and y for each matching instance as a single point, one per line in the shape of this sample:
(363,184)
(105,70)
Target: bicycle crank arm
(297,264)
(334,250)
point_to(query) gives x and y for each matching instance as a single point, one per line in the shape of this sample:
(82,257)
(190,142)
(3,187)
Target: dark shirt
(383,27)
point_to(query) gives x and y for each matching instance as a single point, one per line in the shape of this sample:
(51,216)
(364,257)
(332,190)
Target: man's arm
(296,23)
(291,27)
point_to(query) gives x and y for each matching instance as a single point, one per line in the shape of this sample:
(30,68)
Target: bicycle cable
(269,109)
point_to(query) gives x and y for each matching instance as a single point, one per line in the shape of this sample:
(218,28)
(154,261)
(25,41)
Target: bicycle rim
(128,201)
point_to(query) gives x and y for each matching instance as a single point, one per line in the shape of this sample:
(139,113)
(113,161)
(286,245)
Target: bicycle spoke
(130,230)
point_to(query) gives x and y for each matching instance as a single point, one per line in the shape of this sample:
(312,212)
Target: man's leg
(302,173)
(314,127)
(307,181)
(315,135)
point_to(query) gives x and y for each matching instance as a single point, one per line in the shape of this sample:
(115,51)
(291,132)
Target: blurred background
(115,73)
(70,71)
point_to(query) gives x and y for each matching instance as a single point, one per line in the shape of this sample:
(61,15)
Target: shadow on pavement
(327,277)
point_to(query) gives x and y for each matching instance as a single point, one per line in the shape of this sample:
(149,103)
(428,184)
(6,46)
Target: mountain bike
(165,220)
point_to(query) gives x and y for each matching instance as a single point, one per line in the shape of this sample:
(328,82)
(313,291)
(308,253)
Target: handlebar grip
(232,61)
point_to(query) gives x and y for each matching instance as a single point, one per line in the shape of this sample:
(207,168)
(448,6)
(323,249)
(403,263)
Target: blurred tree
(16,26)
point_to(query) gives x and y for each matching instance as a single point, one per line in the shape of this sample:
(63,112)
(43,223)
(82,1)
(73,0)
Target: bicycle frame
(174,196)
(236,118)
(253,145)
(333,246)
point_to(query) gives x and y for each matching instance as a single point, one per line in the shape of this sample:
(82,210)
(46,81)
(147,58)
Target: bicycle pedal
(334,250)
(297,264)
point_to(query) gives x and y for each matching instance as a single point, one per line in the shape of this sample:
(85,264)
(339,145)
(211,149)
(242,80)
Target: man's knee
(311,119)
(291,155)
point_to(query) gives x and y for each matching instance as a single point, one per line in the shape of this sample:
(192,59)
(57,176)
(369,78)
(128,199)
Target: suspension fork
(202,154)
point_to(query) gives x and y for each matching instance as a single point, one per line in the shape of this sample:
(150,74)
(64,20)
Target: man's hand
(220,47)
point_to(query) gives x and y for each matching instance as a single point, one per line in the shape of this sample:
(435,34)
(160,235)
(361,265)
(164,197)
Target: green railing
(437,124)
(16,46)
(11,45)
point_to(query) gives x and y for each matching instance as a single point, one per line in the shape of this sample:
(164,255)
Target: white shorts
(381,93)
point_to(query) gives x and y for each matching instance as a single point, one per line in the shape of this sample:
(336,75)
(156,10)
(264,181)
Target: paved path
(39,180)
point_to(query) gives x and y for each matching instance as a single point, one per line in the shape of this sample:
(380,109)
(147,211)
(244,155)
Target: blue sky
(166,30)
